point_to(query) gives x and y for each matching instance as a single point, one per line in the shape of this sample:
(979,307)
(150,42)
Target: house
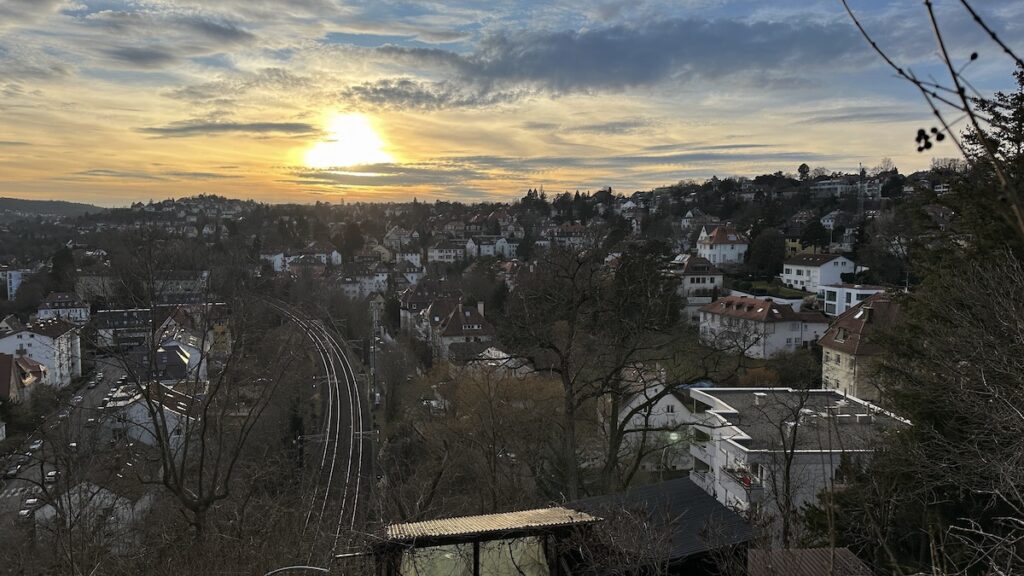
(447,251)
(834,219)
(700,282)
(18,375)
(752,444)
(722,245)
(11,279)
(507,248)
(758,328)
(123,329)
(52,343)
(696,218)
(398,238)
(10,323)
(462,324)
(808,272)
(654,415)
(836,299)
(162,412)
(418,298)
(849,356)
(65,306)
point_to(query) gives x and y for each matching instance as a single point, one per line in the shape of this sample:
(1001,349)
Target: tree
(767,253)
(804,171)
(815,234)
(62,270)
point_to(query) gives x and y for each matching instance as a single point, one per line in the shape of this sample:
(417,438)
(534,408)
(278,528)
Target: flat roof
(825,420)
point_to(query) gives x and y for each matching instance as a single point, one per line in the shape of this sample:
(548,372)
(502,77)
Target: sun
(352,141)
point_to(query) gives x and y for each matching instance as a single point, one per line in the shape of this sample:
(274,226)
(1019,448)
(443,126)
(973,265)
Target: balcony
(743,478)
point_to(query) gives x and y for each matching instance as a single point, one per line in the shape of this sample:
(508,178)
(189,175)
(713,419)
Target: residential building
(11,279)
(834,299)
(758,328)
(700,282)
(398,238)
(64,306)
(751,445)
(722,245)
(653,414)
(462,324)
(139,419)
(10,323)
(809,272)
(52,343)
(18,376)
(834,219)
(123,329)
(418,298)
(850,355)
(447,251)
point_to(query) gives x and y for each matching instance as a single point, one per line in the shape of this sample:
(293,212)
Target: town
(711,348)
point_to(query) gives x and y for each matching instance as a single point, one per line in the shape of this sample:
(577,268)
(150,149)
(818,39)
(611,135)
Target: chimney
(480,307)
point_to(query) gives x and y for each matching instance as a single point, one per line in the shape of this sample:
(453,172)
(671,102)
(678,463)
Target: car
(73,446)
(12,472)
(77,399)
(91,384)
(51,476)
(25,515)
(35,445)
(63,414)
(90,422)
(31,502)
(99,376)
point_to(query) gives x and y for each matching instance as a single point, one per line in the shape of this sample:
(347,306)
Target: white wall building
(809,272)
(722,245)
(64,306)
(745,436)
(758,328)
(52,343)
(838,298)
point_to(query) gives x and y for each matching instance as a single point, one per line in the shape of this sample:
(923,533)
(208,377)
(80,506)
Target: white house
(166,414)
(446,251)
(758,328)
(838,298)
(11,278)
(655,418)
(507,248)
(699,282)
(809,272)
(722,245)
(751,444)
(64,306)
(52,343)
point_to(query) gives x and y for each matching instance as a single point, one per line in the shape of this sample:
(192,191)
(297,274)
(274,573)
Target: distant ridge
(19,207)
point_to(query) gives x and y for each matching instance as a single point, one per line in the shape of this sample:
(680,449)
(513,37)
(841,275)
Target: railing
(744,478)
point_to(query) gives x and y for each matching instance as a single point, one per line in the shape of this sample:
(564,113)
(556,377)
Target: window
(830,296)
(839,359)
(827,356)
(849,297)
(789,341)
(799,272)
(789,270)
(671,409)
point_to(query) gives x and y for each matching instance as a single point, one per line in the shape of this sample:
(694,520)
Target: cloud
(118,174)
(199,175)
(273,79)
(438,173)
(13,143)
(406,93)
(142,56)
(862,115)
(198,128)
(623,56)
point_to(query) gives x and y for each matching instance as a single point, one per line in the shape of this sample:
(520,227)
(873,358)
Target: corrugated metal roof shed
(489,524)
(805,562)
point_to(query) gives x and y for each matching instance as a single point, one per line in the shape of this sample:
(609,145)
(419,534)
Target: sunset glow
(351,141)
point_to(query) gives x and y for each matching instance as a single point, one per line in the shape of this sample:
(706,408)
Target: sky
(115,101)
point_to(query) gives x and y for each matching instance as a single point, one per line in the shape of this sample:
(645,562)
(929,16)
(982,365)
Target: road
(337,501)
(58,434)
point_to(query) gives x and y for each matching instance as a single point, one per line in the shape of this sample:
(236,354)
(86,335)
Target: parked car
(25,515)
(90,422)
(91,384)
(77,399)
(73,446)
(12,472)
(35,445)
(31,503)
(51,476)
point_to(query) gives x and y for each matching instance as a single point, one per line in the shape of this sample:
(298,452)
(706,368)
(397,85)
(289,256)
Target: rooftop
(823,420)
(805,562)
(488,525)
(851,332)
(811,259)
(760,310)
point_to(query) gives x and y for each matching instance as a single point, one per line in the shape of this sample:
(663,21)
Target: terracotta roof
(805,562)
(489,524)
(851,333)
(758,310)
(811,259)
(724,235)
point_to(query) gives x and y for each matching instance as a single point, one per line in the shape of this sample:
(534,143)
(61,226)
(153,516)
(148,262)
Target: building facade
(809,272)
(758,328)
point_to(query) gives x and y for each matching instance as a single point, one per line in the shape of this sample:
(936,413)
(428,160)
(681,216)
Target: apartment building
(849,353)
(809,272)
(835,299)
(758,328)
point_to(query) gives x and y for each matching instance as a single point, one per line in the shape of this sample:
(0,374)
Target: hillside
(14,208)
